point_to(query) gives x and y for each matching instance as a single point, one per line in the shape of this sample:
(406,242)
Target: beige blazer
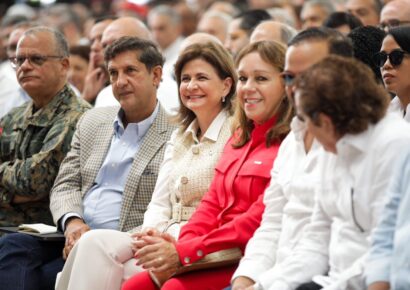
(89,148)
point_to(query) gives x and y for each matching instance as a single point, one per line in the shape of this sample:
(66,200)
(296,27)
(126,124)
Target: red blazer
(231,210)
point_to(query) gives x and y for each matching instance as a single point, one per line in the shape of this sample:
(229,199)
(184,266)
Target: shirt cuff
(249,269)
(377,271)
(65,218)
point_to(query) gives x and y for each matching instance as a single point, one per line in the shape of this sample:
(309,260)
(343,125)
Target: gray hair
(167,11)
(61,45)
(287,33)
(217,14)
(327,5)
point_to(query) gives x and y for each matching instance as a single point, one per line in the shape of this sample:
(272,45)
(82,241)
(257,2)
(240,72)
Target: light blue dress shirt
(389,258)
(102,203)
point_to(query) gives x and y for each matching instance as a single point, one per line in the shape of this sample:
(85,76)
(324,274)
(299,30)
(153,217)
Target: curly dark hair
(345,90)
(367,40)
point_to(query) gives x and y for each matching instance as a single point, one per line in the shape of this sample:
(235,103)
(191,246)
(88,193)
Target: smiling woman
(261,90)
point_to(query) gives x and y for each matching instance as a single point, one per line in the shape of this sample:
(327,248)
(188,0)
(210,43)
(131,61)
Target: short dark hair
(401,35)
(345,90)
(367,41)
(337,19)
(338,43)
(220,59)
(149,53)
(250,19)
(82,51)
(104,18)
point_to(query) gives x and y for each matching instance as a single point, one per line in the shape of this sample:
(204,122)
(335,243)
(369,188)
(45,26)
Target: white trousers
(101,259)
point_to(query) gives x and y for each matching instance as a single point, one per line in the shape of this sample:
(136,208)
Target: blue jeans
(27,263)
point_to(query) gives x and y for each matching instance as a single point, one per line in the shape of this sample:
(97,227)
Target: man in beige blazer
(108,176)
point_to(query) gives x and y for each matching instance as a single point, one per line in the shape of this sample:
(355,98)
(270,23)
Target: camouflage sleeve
(33,177)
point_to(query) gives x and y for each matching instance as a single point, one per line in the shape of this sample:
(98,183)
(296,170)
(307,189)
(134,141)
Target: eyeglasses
(35,59)
(392,23)
(395,57)
(288,78)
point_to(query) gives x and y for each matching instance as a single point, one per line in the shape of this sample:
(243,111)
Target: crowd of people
(243,145)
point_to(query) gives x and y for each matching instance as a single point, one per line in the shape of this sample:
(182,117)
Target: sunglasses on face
(288,78)
(35,59)
(395,57)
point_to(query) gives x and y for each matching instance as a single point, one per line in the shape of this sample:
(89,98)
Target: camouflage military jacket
(32,146)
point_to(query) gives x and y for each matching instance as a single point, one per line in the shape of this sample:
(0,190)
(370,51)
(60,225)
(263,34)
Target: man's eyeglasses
(288,78)
(395,57)
(392,23)
(35,59)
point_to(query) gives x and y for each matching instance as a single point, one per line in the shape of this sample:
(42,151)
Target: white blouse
(396,107)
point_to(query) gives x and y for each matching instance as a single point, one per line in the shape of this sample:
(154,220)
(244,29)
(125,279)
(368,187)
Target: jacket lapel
(152,143)
(99,149)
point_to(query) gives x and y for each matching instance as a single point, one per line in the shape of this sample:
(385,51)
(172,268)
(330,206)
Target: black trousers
(309,286)
(27,263)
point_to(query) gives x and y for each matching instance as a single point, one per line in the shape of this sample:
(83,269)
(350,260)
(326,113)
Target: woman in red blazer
(231,210)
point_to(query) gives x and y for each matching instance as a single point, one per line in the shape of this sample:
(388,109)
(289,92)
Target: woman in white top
(206,78)
(394,62)
(345,109)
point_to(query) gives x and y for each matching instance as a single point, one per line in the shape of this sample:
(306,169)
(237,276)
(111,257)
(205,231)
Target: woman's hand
(138,242)
(158,253)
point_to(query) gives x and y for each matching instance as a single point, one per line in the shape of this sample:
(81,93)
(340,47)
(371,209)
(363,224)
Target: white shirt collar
(396,107)
(213,130)
(298,128)
(172,50)
(352,144)
(141,127)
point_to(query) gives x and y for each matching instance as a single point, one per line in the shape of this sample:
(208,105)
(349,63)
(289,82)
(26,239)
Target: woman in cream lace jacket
(206,77)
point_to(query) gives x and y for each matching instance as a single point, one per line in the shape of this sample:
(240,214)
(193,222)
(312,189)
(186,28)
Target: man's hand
(380,285)
(94,82)
(242,283)
(75,228)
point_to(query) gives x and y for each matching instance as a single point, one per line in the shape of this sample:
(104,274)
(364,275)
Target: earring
(223,99)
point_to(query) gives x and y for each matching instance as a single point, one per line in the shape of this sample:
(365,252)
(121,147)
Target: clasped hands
(75,228)
(156,252)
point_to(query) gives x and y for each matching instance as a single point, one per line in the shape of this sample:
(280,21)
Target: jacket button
(184,180)
(199,253)
(187,260)
(195,150)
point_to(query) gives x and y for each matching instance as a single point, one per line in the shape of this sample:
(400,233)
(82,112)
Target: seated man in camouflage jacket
(35,137)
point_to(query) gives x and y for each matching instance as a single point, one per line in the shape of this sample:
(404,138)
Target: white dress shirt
(167,95)
(347,207)
(168,88)
(397,107)
(105,98)
(289,202)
